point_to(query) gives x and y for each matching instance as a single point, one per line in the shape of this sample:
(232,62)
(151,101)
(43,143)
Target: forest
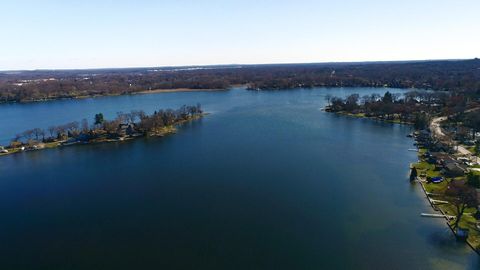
(453,75)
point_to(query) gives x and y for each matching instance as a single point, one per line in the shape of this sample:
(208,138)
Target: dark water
(266,181)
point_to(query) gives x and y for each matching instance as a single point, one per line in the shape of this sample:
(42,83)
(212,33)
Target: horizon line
(236,64)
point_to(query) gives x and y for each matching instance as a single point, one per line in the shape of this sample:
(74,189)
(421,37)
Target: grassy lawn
(359,115)
(425,167)
(10,151)
(468,220)
(52,144)
(436,188)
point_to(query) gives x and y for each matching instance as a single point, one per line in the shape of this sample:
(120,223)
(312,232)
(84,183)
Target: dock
(431,193)
(438,216)
(438,201)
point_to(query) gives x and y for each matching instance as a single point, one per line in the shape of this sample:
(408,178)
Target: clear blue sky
(90,34)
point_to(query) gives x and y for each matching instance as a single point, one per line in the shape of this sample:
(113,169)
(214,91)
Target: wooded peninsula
(125,126)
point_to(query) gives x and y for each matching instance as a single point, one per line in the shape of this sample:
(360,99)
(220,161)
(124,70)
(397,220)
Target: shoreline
(361,115)
(143,92)
(440,207)
(177,90)
(422,182)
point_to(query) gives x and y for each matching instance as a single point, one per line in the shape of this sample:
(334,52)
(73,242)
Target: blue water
(266,181)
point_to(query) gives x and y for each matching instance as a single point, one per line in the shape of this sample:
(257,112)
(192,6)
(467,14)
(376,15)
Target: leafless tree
(84,125)
(461,196)
(52,131)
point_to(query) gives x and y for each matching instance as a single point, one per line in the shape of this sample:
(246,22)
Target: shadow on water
(445,239)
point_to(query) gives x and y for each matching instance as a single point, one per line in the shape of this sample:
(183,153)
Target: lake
(266,181)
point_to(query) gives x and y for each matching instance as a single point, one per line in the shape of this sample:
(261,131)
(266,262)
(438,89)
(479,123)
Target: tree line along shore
(40,85)
(125,126)
(447,137)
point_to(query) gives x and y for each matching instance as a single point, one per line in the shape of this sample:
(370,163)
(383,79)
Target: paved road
(435,126)
(438,132)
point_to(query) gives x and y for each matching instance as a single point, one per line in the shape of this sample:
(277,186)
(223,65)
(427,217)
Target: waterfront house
(447,163)
(438,157)
(83,137)
(36,146)
(463,134)
(422,136)
(126,129)
(454,169)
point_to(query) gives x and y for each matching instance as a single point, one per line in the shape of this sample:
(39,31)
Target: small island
(125,126)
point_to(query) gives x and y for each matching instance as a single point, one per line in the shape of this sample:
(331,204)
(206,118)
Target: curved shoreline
(180,90)
(143,92)
(177,90)
(418,179)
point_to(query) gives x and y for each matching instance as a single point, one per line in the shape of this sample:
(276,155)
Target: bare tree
(122,117)
(110,126)
(52,131)
(37,132)
(27,134)
(17,137)
(84,125)
(328,99)
(462,196)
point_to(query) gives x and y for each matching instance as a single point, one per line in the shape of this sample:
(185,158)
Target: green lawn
(468,220)
(426,167)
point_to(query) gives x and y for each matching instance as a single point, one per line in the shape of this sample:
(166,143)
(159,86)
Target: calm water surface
(266,181)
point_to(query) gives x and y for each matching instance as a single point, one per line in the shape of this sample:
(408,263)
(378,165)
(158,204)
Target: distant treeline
(454,75)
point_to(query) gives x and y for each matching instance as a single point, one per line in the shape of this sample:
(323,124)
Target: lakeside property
(125,126)
(446,136)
